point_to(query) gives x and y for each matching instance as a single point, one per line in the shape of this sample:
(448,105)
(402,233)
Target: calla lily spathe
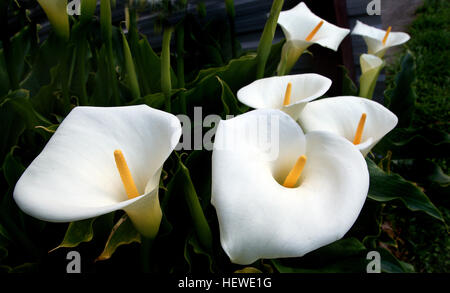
(297,24)
(75,176)
(340,115)
(258,216)
(371,67)
(269,93)
(56,11)
(374,38)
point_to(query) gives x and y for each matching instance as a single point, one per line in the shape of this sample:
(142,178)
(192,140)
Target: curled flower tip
(295,173)
(125,175)
(387,35)
(314,31)
(287,95)
(360,129)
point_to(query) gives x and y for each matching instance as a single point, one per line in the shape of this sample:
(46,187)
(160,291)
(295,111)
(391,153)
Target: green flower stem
(81,53)
(87,10)
(265,43)
(130,70)
(146,248)
(166,83)
(106,31)
(180,64)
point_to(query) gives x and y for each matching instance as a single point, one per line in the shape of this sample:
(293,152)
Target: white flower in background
(377,40)
(371,67)
(306,197)
(302,29)
(82,172)
(288,93)
(361,121)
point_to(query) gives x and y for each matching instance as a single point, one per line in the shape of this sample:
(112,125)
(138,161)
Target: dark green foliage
(39,85)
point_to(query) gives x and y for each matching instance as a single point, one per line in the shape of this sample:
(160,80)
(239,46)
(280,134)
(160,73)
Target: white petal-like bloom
(371,67)
(299,25)
(261,218)
(374,38)
(75,176)
(269,93)
(340,115)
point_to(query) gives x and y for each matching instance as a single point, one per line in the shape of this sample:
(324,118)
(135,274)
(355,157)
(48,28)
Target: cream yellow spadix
(295,173)
(125,175)
(314,31)
(360,129)
(287,95)
(387,35)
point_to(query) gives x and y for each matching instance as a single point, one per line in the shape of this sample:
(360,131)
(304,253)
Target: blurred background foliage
(99,63)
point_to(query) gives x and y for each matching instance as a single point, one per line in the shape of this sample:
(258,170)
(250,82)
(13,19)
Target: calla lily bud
(56,11)
(371,67)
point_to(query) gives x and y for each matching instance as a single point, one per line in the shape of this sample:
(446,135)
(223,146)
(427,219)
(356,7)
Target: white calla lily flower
(379,41)
(261,218)
(361,121)
(371,67)
(302,29)
(288,93)
(82,174)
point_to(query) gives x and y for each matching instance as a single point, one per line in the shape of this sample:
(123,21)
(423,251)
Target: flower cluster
(307,195)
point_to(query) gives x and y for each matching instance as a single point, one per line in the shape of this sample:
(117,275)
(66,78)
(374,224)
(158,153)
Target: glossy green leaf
(20,48)
(122,233)
(183,185)
(236,74)
(77,232)
(274,58)
(193,250)
(348,86)
(386,187)
(49,54)
(402,98)
(20,102)
(345,255)
(16,114)
(414,143)
(390,264)
(229,101)
(148,67)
